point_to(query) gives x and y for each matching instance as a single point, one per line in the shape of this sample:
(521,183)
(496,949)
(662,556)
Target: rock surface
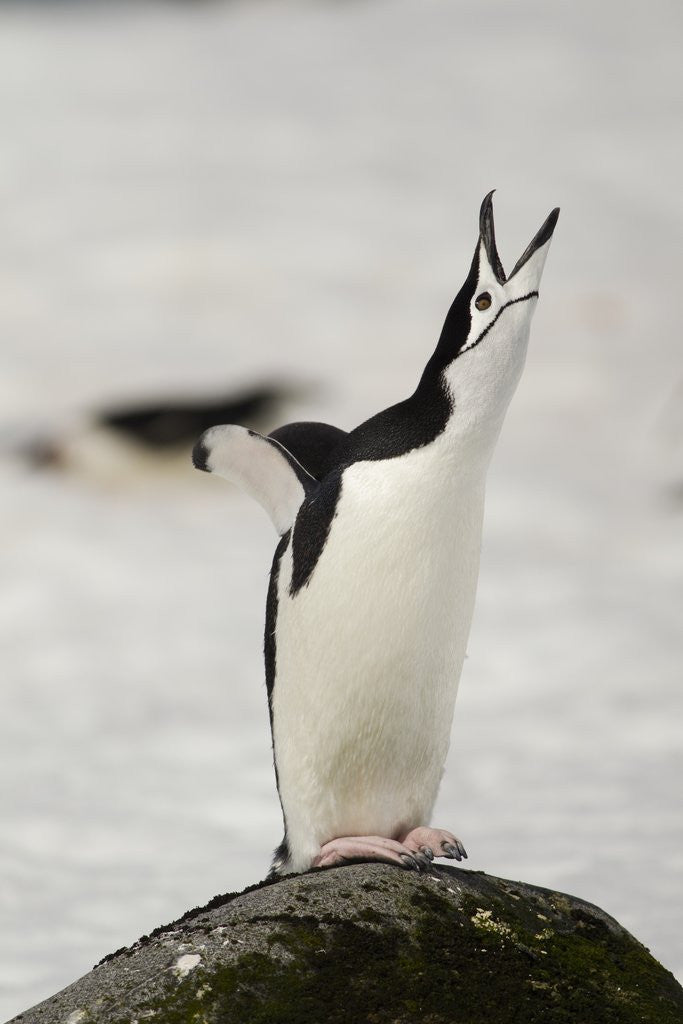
(371,943)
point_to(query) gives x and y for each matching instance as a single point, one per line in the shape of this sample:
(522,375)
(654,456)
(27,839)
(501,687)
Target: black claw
(427,852)
(452,851)
(462,849)
(410,861)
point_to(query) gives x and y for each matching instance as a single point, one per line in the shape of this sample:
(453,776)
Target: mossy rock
(376,944)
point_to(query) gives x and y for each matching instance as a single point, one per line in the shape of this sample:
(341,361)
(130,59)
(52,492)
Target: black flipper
(312,444)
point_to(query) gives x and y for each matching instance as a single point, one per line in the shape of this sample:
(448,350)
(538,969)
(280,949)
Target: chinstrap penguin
(374,578)
(130,442)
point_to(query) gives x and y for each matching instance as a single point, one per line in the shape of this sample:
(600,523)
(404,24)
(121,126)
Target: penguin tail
(280,862)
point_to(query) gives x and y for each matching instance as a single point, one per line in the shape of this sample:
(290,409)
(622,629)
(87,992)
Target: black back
(314,445)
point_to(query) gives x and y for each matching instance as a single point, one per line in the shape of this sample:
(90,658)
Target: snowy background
(196,196)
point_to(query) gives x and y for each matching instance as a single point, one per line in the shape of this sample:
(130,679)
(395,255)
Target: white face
(486,369)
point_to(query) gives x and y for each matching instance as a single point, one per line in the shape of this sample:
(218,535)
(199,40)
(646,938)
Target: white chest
(369,653)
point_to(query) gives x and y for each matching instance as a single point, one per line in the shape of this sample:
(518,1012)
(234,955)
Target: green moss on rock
(474,967)
(374,944)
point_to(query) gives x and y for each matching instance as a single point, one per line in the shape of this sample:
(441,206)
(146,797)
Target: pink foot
(433,842)
(350,848)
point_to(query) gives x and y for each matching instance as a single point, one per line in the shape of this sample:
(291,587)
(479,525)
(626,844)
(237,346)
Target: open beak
(543,235)
(488,237)
(537,247)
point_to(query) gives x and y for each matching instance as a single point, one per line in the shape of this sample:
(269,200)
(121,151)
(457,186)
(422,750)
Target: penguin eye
(483,301)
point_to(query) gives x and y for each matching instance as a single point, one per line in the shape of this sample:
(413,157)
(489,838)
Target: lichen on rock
(373,943)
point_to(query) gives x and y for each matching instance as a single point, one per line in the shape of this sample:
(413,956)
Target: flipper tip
(200,455)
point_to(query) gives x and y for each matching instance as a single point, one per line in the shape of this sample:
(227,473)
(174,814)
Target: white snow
(186,963)
(200,194)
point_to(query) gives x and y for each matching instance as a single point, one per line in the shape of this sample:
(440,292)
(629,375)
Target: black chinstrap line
(522,298)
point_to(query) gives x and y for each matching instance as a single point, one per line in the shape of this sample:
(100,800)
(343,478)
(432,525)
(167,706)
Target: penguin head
(482,348)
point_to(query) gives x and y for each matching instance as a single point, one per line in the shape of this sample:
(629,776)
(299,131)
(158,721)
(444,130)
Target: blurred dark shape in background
(163,431)
(167,424)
